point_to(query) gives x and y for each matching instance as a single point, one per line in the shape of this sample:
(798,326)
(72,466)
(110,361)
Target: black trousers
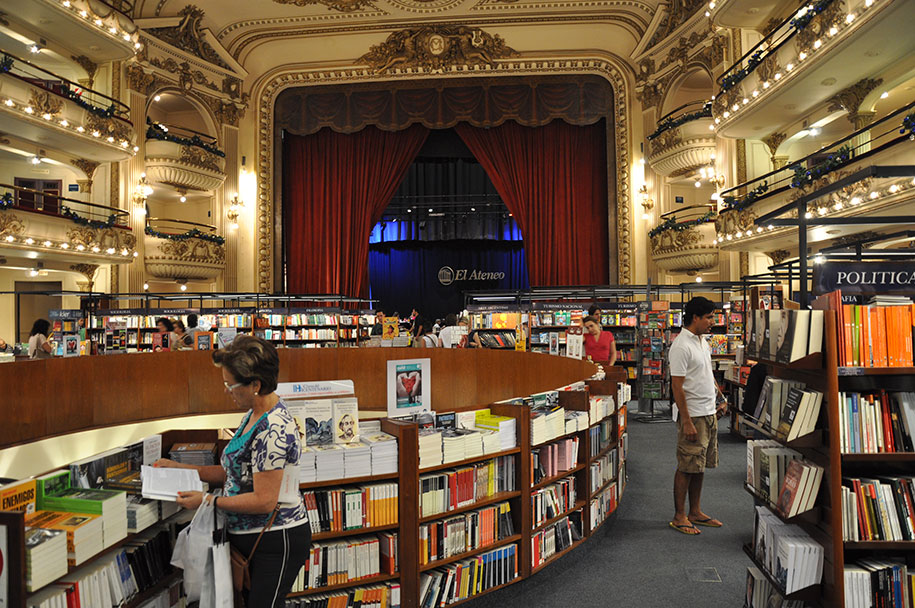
(276,564)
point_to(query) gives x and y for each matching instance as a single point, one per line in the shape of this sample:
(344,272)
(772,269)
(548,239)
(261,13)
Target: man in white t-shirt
(694,392)
(446,335)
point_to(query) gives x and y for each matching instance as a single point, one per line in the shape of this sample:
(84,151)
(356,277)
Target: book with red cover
(789,497)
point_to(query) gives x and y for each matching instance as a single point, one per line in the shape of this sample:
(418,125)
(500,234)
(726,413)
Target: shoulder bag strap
(261,535)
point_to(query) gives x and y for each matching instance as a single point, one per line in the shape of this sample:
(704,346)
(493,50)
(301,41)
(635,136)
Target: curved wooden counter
(60,396)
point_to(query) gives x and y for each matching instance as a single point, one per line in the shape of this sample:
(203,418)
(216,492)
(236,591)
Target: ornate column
(223,196)
(139,84)
(779,161)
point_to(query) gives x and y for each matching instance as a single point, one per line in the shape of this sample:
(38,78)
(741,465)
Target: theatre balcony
(41,226)
(867,174)
(99,30)
(685,242)
(746,14)
(682,141)
(808,59)
(56,113)
(183,250)
(183,158)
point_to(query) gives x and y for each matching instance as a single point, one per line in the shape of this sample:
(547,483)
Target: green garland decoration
(671,223)
(803,177)
(733,203)
(6,63)
(193,233)
(672,123)
(77,98)
(6,201)
(908,126)
(157,131)
(83,221)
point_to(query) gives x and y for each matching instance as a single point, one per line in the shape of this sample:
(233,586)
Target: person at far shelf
(39,347)
(422,334)
(695,395)
(167,328)
(447,333)
(377,327)
(599,344)
(8,348)
(595,311)
(437,326)
(255,467)
(185,340)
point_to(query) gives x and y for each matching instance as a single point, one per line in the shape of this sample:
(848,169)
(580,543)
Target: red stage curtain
(553,179)
(335,189)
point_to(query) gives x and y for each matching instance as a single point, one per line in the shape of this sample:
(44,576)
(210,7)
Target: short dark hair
(249,358)
(593,309)
(450,319)
(590,319)
(192,320)
(697,307)
(421,326)
(169,326)
(40,326)
(180,324)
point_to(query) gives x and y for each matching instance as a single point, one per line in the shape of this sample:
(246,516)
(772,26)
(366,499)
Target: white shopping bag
(192,548)
(216,589)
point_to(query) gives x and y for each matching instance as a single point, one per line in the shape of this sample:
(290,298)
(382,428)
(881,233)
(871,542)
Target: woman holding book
(258,472)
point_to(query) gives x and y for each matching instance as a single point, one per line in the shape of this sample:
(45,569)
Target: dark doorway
(32,306)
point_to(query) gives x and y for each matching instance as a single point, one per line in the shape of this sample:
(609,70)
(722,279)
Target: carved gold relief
(673,239)
(779,255)
(188,36)
(344,6)
(833,15)
(187,77)
(437,47)
(731,222)
(200,157)
(88,167)
(43,102)
(850,98)
(10,225)
(103,238)
(139,80)
(768,67)
(665,141)
(87,64)
(109,127)
(192,250)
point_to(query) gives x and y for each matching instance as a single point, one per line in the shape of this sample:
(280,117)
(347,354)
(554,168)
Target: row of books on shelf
(604,469)
(465,532)
(763,594)
(556,498)
(554,458)
(876,335)
(878,509)
(604,503)
(876,422)
(782,477)
(466,578)
(339,509)
(788,408)
(554,538)
(347,560)
(445,491)
(601,436)
(453,436)
(879,582)
(385,595)
(784,336)
(790,555)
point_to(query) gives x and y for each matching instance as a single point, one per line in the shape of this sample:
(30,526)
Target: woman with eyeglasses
(259,463)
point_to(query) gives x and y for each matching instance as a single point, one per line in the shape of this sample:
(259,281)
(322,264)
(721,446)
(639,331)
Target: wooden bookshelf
(479,504)
(604,486)
(456,558)
(880,545)
(371,580)
(808,594)
(876,371)
(558,477)
(348,481)
(578,505)
(490,590)
(813,439)
(146,594)
(613,445)
(811,515)
(884,457)
(319,536)
(556,556)
(467,461)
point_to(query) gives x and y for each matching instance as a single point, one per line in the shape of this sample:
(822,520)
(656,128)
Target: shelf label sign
(864,278)
(312,390)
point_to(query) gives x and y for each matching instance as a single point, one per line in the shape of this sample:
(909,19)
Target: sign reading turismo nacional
(448,275)
(864,278)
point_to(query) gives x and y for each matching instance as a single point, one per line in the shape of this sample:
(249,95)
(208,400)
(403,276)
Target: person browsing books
(185,340)
(260,460)
(599,344)
(694,393)
(167,328)
(422,334)
(39,347)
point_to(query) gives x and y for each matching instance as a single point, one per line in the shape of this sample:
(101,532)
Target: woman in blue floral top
(258,474)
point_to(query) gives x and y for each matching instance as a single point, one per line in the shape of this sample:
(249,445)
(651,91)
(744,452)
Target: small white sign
(315,390)
(409,387)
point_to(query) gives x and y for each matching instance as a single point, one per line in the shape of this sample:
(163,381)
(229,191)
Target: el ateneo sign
(448,275)
(864,278)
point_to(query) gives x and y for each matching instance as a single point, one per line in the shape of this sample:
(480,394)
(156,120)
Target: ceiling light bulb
(126,37)
(778,75)
(473,208)
(35,48)
(808,215)
(726,114)
(136,148)
(110,139)
(47,243)
(96,134)
(136,45)
(849,18)
(755,93)
(855,200)
(714,241)
(698,279)
(789,67)
(80,129)
(183,199)
(80,248)
(698,184)
(729,237)
(833,31)
(884,95)
(874,195)
(802,56)
(33,273)
(66,3)
(135,254)
(83,14)
(64,123)
(35,160)
(157,98)
(184,288)
(145,286)
(766,84)
(770,227)
(735,107)
(817,44)
(96,249)
(65,245)
(29,110)
(894,188)
(745,101)
(46,116)
(10,238)
(98,22)
(758,229)
(822,210)
(110,251)
(739,234)
(838,206)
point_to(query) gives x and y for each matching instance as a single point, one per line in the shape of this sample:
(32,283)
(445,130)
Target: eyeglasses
(232,387)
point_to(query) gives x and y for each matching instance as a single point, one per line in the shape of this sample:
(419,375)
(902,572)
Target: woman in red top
(599,344)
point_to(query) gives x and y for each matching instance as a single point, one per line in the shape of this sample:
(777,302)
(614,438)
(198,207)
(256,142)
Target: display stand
(654,372)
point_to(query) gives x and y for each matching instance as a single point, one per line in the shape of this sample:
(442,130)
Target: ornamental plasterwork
(344,6)
(109,127)
(87,64)
(45,103)
(832,15)
(10,225)
(860,189)
(730,222)
(200,158)
(194,250)
(677,13)
(266,101)
(188,36)
(779,255)
(675,239)
(850,98)
(768,67)
(437,48)
(680,54)
(665,141)
(104,238)
(852,239)
(88,167)
(192,259)
(187,77)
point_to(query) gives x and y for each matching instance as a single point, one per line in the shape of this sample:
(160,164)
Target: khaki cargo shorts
(696,456)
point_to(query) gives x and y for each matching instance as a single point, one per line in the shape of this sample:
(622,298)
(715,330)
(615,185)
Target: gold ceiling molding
(188,36)
(283,23)
(426,6)
(651,87)
(344,6)
(436,48)
(87,64)
(850,98)
(613,70)
(677,13)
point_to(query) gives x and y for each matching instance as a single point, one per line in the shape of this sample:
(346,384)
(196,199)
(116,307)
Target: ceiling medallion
(344,6)
(425,6)
(436,48)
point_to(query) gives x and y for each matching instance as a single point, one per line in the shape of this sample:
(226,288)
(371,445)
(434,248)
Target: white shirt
(35,344)
(445,336)
(691,358)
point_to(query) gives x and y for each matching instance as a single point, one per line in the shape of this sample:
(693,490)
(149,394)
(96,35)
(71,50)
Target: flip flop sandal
(689,530)
(707,522)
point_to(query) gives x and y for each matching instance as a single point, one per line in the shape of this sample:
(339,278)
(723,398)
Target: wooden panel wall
(59,396)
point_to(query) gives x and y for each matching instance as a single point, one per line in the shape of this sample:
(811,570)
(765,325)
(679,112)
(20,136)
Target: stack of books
(767,462)
(763,594)
(329,462)
(599,408)
(200,454)
(604,469)
(555,538)
(575,421)
(503,425)
(386,594)
(554,458)
(879,509)
(141,513)
(430,447)
(340,562)
(54,493)
(307,471)
(448,490)
(357,460)
(788,553)
(800,487)
(83,532)
(384,452)
(45,556)
(603,504)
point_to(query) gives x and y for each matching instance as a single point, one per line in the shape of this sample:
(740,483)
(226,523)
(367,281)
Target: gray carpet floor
(635,559)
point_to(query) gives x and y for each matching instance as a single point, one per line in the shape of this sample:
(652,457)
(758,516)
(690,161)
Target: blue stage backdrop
(432,276)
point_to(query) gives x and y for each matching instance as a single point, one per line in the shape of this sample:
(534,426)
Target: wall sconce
(140,194)
(235,207)
(647,202)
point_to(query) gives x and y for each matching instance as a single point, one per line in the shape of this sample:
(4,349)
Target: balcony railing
(183,136)
(681,115)
(49,203)
(687,245)
(181,230)
(884,133)
(179,249)
(94,102)
(125,7)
